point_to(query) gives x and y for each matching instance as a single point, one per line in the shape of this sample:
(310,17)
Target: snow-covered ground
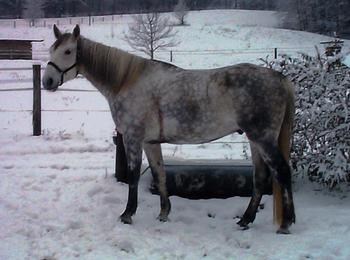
(58,197)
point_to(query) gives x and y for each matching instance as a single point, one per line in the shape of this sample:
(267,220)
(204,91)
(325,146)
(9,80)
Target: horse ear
(76,31)
(56,31)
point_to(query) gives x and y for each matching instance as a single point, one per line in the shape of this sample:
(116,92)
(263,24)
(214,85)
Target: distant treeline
(323,16)
(62,8)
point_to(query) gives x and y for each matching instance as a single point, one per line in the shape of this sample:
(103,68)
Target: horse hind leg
(260,177)
(278,165)
(155,160)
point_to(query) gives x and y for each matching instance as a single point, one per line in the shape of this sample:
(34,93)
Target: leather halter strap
(62,72)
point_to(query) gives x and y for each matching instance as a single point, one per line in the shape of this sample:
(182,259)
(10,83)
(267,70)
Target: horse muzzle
(50,84)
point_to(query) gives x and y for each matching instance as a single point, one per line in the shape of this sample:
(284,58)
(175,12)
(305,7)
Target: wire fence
(176,56)
(36,89)
(171,55)
(165,55)
(49,22)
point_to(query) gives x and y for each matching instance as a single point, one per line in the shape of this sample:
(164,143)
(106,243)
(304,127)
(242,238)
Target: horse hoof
(243,224)
(162,218)
(126,219)
(283,231)
(243,228)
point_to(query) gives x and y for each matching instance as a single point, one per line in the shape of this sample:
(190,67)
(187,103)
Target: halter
(62,72)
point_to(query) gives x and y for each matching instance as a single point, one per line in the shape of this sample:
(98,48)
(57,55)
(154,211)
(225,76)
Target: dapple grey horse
(153,102)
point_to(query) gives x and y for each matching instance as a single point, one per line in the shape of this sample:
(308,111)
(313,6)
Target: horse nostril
(49,82)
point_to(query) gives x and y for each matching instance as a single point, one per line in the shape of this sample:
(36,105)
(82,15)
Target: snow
(346,61)
(58,196)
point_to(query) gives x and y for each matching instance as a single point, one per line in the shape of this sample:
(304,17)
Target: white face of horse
(63,59)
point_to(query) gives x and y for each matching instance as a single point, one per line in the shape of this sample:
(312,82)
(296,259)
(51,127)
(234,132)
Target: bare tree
(181,11)
(150,32)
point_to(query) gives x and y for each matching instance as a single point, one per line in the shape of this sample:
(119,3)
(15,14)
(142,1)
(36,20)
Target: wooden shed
(16,49)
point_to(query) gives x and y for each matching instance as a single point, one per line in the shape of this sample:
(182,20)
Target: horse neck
(108,69)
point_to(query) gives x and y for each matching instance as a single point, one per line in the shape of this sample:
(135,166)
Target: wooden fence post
(275,53)
(121,167)
(171,56)
(36,100)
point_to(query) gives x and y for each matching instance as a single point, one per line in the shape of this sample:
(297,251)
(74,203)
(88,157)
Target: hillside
(228,37)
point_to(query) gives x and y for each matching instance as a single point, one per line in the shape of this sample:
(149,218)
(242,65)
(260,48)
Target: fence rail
(57,110)
(43,54)
(59,90)
(46,22)
(19,69)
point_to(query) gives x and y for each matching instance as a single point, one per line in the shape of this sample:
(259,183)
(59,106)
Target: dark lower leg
(131,206)
(288,211)
(261,177)
(282,172)
(250,213)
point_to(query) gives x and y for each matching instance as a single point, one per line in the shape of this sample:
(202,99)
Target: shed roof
(21,40)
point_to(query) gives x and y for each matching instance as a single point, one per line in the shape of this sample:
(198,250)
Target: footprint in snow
(185,220)
(126,246)
(243,244)
(95,190)
(74,224)
(111,200)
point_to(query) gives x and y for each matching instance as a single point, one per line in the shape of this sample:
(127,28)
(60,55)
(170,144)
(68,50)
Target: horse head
(64,54)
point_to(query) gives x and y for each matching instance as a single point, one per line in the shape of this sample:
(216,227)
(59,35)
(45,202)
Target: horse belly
(198,131)
(198,111)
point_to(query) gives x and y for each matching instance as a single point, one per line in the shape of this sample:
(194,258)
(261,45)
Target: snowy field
(58,197)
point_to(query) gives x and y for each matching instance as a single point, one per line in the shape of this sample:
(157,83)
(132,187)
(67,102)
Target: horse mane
(107,66)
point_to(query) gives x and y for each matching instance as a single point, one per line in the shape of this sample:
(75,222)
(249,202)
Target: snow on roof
(21,39)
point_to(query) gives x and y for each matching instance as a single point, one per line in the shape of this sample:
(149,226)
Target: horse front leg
(155,160)
(134,159)
(261,176)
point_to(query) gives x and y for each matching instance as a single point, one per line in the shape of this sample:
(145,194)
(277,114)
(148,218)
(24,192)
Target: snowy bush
(321,143)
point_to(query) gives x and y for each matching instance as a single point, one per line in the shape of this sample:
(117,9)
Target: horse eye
(67,52)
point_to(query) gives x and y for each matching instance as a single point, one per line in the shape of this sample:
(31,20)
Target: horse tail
(284,143)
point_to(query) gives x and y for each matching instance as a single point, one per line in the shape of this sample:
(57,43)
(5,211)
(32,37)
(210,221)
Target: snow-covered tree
(321,144)
(181,11)
(149,33)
